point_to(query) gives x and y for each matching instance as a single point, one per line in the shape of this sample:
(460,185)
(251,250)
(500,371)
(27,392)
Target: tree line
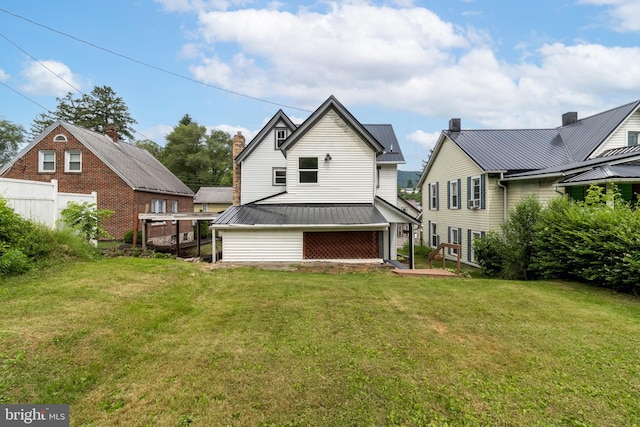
(197,156)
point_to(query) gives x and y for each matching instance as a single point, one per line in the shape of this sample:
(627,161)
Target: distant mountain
(405,176)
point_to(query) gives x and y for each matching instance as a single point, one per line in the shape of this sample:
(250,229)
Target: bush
(14,261)
(86,219)
(489,251)
(128,237)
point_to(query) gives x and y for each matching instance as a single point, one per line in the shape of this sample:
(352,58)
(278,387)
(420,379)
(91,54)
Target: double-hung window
(473,236)
(174,206)
(281,135)
(73,161)
(47,161)
(433,234)
(279,176)
(158,206)
(632,138)
(453,192)
(433,196)
(454,238)
(475,192)
(308,169)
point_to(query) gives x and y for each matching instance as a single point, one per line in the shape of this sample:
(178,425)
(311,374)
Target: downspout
(504,197)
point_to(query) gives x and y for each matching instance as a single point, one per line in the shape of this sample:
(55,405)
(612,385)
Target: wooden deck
(425,272)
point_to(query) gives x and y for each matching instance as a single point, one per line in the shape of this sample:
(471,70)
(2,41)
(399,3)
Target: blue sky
(231,64)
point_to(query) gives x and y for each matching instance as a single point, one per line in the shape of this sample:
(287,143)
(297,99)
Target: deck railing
(442,247)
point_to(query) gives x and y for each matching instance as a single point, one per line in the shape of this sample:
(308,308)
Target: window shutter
(449,239)
(469,243)
(460,240)
(459,193)
(437,195)
(429,233)
(468,190)
(482,192)
(449,195)
(429,194)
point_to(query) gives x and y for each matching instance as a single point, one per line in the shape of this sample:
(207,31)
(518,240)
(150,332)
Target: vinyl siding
(542,189)
(618,138)
(388,186)
(452,164)
(257,170)
(261,245)
(349,177)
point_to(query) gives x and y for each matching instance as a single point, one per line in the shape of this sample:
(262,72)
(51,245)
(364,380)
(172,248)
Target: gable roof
(136,166)
(526,152)
(332,104)
(220,195)
(279,116)
(385,135)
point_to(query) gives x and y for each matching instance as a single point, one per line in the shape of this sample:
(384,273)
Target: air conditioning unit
(474,204)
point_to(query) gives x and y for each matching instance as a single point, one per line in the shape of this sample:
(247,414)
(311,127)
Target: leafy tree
(196,158)
(11,136)
(151,146)
(95,111)
(86,219)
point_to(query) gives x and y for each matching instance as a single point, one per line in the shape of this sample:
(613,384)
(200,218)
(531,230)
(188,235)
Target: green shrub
(86,219)
(128,237)
(14,261)
(489,251)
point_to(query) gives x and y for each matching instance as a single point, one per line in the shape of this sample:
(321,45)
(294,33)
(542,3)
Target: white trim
(67,161)
(41,161)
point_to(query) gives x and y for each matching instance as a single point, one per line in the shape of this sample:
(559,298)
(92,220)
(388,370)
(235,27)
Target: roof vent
(569,118)
(454,125)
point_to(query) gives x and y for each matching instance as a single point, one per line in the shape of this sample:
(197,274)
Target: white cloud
(156,133)
(3,75)
(426,140)
(51,78)
(623,13)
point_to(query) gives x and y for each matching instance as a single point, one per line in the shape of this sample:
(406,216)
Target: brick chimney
(112,132)
(238,146)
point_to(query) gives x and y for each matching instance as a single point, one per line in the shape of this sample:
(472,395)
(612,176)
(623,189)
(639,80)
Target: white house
(474,177)
(324,190)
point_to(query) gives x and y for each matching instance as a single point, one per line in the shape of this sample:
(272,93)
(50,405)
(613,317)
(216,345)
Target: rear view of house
(124,176)
(324,190)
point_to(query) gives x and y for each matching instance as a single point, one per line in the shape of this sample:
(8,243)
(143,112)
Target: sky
(232,64)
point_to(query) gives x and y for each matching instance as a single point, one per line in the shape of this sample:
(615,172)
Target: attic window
(632,138)
(60,138)
(281,135)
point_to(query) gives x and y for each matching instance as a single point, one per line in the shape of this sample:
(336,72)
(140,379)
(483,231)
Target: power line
(25,97)
(181,76)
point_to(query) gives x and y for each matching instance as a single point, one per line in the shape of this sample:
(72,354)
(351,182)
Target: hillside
(405,176)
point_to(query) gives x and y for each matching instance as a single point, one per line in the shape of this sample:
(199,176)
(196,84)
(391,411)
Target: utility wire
(25,97)
(181,76)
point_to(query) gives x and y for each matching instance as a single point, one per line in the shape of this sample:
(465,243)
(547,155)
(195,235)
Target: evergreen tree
(11,136)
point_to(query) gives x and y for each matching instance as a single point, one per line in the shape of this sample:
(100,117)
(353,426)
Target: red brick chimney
(238,146)
(112,132)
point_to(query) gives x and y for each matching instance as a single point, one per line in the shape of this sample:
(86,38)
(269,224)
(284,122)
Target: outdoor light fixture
(327,157)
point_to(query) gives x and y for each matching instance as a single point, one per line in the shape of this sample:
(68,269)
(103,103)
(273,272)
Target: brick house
(124,176)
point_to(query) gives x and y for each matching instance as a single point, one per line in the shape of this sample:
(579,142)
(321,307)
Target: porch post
(412,264)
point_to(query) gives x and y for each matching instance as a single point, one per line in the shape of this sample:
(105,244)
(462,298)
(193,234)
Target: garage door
(341,245)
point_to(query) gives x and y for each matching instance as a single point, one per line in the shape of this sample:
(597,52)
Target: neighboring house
(324,190)
(126,178)
(475,177)
(213,199)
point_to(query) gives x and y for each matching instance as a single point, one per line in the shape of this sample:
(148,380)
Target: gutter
(380,226)
(504,197)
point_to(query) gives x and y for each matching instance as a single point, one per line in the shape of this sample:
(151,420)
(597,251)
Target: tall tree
(95,111)
(11,136)
(152,147)
(196,158)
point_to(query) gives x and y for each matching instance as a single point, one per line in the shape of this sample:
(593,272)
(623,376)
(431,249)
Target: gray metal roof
(532,149)
(136,166)
(387,138)
(605,172)
(214,195)
(301,214)
(626,157)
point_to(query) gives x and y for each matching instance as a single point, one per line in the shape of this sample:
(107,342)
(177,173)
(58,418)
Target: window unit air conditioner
(474,204)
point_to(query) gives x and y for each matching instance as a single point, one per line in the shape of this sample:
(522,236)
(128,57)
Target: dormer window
(632,138)
(60,138)
(281,135)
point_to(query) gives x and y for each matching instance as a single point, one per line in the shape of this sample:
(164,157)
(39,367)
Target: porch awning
(605,173)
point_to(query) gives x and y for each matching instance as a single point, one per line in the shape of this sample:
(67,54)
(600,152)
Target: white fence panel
(39,201)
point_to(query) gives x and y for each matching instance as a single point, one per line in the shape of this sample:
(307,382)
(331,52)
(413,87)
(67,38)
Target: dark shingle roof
(387,138)
(301,214)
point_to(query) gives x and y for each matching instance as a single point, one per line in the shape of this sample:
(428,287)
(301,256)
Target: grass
(137,342)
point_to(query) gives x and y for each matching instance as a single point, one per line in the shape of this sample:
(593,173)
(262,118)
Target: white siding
(618,138)
(452,163)
(542,189)
(257,170)
(261,245)
(349,177)
(388,184)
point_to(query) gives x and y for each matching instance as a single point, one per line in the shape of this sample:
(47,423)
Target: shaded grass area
(130,341)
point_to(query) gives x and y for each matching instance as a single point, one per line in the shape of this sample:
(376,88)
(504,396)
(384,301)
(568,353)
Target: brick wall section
(113,193)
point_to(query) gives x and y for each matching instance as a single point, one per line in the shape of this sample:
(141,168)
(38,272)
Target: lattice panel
(341,245)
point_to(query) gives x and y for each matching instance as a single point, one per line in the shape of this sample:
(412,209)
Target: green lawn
(133,342)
